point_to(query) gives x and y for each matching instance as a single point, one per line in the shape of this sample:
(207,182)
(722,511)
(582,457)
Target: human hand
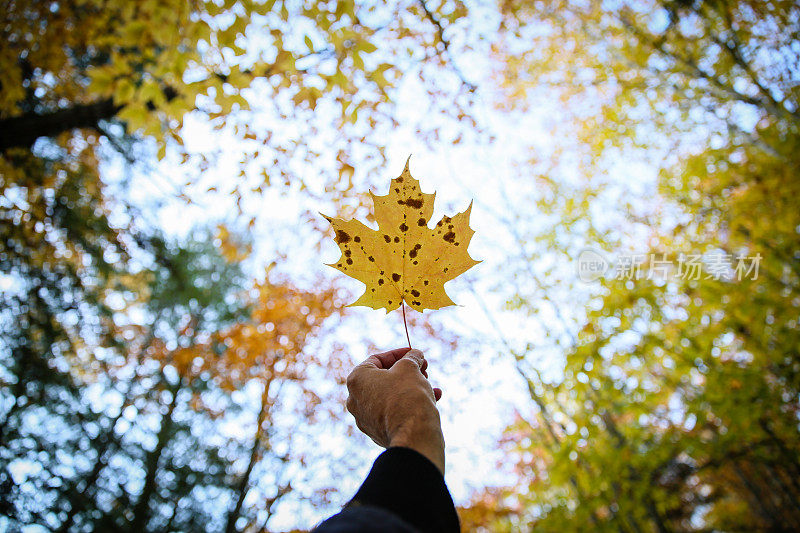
(395,405)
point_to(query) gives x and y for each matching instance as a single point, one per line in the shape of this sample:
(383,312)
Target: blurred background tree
(678,406)
(128,355)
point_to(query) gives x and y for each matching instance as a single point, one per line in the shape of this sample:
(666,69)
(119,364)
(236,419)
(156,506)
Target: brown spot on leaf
(347,253)
(403,227)
(421,222)
(371,258)
(397,239)
(357,238)
(415,293)
(425,282)
(449,236)
(342,236)
(415,302)
(387,238)
(380,281)
(349,261)
(396,277)
(415,203)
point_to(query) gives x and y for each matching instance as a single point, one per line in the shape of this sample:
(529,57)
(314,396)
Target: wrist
(424,438)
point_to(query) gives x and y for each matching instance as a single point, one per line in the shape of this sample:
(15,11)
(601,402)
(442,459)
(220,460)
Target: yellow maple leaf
(404,259)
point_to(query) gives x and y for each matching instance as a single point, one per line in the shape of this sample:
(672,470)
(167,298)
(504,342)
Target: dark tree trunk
(141,511)
(22,131)
(244,482)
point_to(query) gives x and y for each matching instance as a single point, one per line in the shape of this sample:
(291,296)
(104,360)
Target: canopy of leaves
(151,382)
(247,66)
(678,405)
(127,353)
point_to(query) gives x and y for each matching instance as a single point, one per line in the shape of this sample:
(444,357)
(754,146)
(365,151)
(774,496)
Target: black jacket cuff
(407,484)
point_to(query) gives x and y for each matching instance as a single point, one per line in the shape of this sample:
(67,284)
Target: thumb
(411,357)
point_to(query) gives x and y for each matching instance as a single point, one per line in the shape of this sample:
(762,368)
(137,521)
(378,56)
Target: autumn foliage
(172,351)
(678,407)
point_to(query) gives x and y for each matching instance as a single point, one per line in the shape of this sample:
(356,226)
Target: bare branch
(471,87)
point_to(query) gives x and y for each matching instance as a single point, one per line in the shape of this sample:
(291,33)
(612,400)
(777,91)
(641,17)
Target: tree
(106,419)
(141,69)
(155,455)
(678,407)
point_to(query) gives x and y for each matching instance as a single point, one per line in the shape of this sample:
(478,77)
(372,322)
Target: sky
(482,389)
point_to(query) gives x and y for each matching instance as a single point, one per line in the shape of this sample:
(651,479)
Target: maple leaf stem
(403,306)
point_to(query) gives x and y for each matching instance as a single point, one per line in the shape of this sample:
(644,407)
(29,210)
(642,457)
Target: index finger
(385,360)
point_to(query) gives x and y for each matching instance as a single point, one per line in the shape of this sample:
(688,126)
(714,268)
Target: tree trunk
(242,486)
(22,131)
(141,511)
(107,445)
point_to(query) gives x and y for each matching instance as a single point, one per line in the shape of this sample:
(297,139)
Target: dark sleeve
(404,492)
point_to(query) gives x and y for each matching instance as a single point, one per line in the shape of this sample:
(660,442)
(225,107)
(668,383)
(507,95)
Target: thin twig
(437,23)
